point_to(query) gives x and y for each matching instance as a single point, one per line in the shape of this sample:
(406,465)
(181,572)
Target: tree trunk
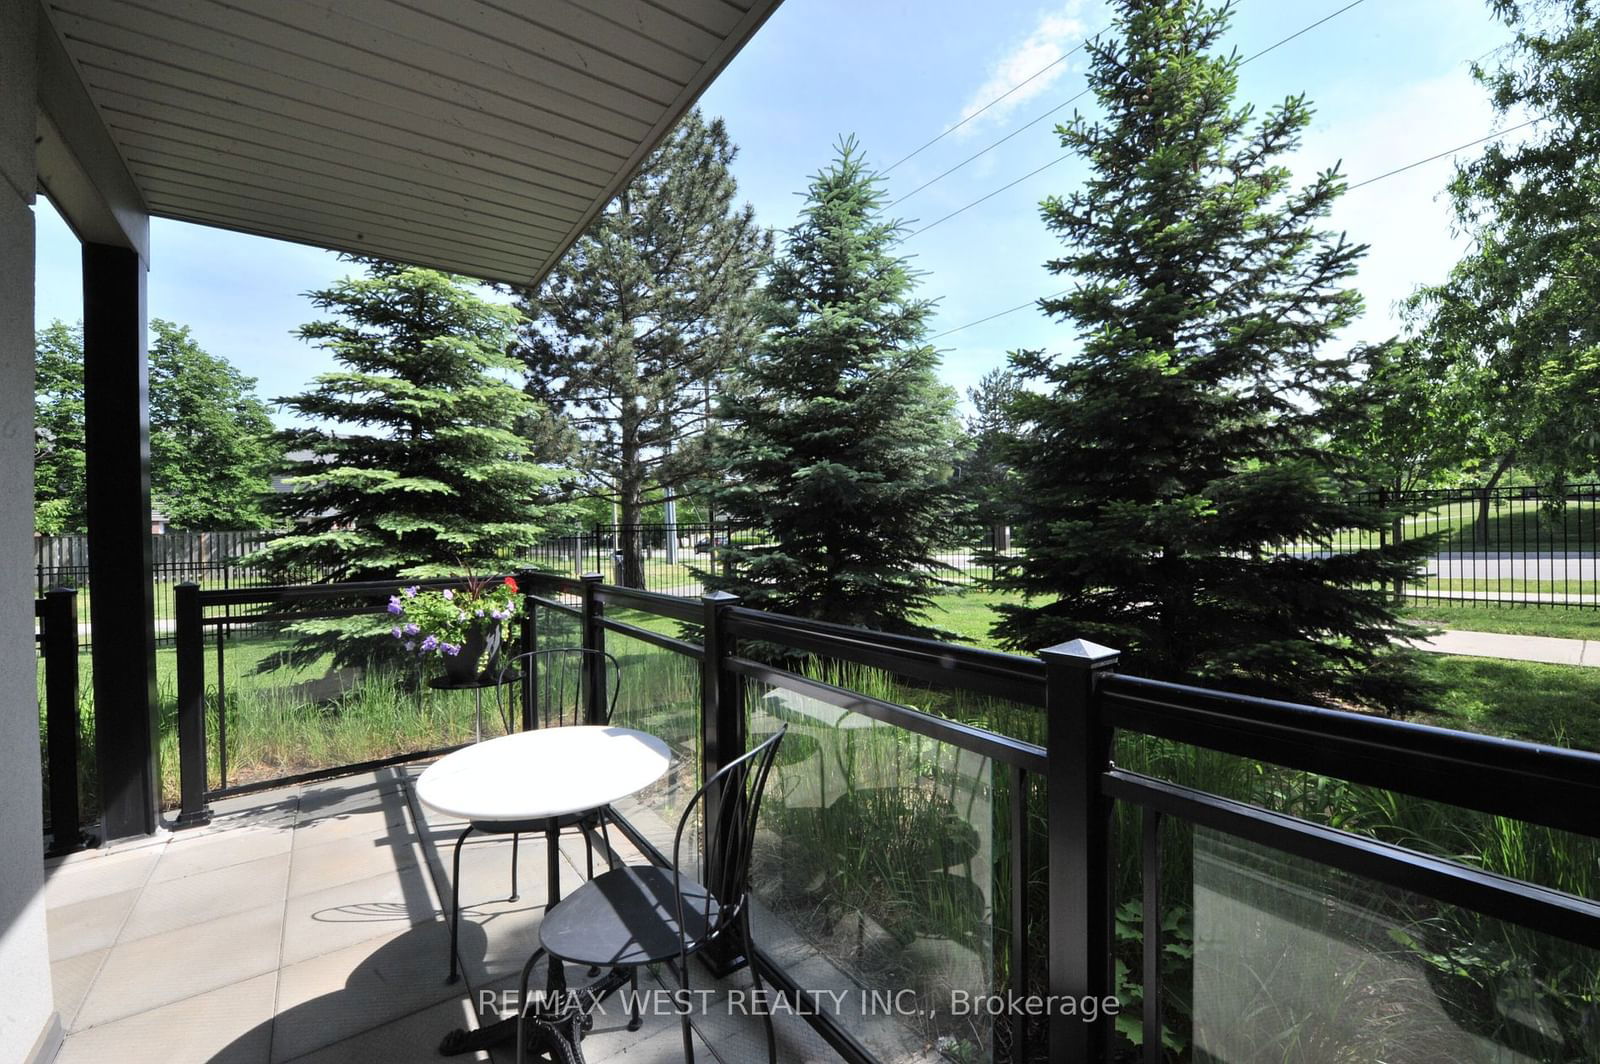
(630,497)
(1481,529)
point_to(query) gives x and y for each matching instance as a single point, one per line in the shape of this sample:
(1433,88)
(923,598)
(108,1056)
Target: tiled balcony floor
(305,924)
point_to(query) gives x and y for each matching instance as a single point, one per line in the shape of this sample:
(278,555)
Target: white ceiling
(477,137)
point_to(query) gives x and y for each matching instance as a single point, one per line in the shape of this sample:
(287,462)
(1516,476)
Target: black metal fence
(1497,546)
(1052,829)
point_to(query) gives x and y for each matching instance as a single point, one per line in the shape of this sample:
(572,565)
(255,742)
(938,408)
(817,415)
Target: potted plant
(462,626)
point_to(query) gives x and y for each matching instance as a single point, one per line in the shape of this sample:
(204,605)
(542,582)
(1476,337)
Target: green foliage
(841,438)
(212,450)
(425,474)
(59,502)
(1517,312)
(984,472)
(1410,420)
(632,332)
(440,622)
(1165,470)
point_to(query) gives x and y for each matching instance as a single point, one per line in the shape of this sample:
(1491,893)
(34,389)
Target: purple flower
(450,648)
(410,645)
(448,594)
(410,592)
(397,633)
(395,605)
(429,643)
(412,629)
(480,613)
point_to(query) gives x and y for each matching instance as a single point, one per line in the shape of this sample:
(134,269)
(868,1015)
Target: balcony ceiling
(474,137)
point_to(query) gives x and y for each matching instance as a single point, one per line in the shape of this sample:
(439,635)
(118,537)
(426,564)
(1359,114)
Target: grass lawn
(1564,622)
(1555,704)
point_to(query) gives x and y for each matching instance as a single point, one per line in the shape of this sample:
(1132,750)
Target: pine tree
(630,334)
(60,501)
(1176,490)
(841,437)
(416,469)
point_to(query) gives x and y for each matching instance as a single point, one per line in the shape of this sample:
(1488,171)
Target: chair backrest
(729,802)
(560,676)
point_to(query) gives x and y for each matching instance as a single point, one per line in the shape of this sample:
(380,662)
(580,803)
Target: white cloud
(1056,33)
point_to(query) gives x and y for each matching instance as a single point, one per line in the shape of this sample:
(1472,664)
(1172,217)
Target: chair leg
(588,850)
(605,832)
(635,1021)
(683,1009)
(522,1005)
(513,867)
(455,904)
(761,993)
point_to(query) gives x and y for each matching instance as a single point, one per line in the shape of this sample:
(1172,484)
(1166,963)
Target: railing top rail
(988,672)
(993,745)
(676,607)
(1553,786)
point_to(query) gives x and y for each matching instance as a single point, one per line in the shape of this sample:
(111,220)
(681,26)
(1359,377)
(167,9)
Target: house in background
(471,138)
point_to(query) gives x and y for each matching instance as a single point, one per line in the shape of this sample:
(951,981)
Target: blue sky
(1388,79)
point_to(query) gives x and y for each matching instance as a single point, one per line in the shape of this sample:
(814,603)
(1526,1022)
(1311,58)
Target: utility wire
(1057,61)
(1271,47)
(1348,188)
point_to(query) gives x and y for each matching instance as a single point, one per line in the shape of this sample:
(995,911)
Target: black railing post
(594,664)
(189,635)
(1079,859)
(60,630)
(530,643)
(722,740)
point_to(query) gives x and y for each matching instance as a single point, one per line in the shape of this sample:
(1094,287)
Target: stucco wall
(26,1008)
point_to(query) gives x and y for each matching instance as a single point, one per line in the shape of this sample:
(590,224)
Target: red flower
(511,582)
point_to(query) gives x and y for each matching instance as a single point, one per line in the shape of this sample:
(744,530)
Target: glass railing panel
(875,876)
(1294,960)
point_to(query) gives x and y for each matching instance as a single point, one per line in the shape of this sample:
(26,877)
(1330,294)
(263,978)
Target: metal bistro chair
(646,914)
(555,715)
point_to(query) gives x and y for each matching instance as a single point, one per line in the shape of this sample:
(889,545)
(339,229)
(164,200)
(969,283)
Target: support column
(116,401)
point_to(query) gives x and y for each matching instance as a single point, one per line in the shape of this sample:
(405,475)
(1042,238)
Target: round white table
(517,781)
(510,783)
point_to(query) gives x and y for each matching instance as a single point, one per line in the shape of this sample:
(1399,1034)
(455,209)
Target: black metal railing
(1059,942)
(57,638)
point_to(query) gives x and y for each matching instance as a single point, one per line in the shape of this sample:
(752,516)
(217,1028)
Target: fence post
(594,639)
(530,643)
(722,740)
(1080,905)
(60,631)
(189,634)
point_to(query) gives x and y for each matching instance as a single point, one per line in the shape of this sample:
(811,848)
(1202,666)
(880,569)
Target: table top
(542,773)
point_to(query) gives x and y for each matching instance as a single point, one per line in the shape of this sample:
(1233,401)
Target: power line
(1348,188)
(1271,47)
(1452,151)
(1057,61)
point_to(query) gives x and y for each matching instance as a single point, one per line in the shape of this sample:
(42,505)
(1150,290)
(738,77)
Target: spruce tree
(414,467)
(630,334)
(1177,493)
(840,436)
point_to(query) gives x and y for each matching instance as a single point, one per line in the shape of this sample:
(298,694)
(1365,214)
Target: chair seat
(627,916)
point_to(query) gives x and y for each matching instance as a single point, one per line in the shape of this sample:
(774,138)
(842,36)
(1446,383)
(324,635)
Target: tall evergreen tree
(212,446)
(841,438)
(1175,483)
(416,469)
(984,473)
(631,332)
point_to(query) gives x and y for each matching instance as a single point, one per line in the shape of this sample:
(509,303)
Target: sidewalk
(1514,647)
